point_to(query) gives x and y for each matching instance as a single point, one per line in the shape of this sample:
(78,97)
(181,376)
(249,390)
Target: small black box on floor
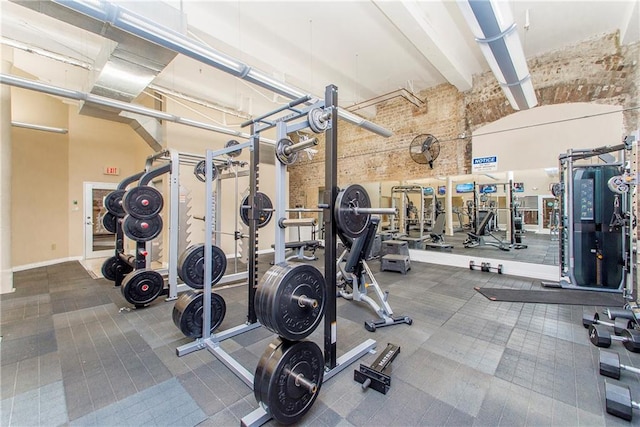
(393,262)
(395,247)
(374,376)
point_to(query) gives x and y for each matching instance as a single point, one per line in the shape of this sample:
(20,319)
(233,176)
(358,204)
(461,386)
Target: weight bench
(478,238)
(353,274)
(300,247)
(437,236)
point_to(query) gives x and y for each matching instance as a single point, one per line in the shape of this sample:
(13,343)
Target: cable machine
(597,232)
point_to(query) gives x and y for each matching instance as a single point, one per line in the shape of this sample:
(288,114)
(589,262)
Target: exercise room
(344,213)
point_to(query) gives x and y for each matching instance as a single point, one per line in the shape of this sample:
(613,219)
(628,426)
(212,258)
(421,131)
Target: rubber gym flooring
(72,353)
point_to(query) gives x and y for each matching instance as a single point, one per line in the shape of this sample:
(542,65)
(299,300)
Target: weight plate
(556,189)
(187,313)
(200,172)
(143,202)
(113,203)
(231,143)
(141,287)
(110,222)
(631,340)
(109,268)
(284,158)
(142,230)
(289,300)
(191,266)
(265,214)
(314,117)
(288,379)
(348,222)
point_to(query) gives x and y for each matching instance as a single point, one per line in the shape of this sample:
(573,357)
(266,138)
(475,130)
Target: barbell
(287,151)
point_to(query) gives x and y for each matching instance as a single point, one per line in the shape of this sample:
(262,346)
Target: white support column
(508,202)
(6,275)
(449,206)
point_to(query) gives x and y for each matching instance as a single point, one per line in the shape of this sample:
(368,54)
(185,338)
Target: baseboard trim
(45,263)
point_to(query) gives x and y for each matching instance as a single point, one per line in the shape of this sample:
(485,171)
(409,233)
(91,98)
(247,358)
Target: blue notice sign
(484,164)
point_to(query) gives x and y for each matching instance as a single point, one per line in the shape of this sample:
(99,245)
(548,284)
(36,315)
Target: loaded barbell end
(374,211)
(290,149)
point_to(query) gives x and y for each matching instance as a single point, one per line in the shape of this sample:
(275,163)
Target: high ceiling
(366,48)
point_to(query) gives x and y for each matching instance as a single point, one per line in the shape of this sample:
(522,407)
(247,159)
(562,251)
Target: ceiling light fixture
(492,24)
(39,127)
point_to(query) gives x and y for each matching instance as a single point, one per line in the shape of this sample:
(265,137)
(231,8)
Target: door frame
(87,218)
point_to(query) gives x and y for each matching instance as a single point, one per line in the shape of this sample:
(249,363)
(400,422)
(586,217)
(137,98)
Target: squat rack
(333,364)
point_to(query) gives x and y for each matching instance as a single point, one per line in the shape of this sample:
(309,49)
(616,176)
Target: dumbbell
(600,337)
(618,325)
(614,313)
(610,365)
(618,401)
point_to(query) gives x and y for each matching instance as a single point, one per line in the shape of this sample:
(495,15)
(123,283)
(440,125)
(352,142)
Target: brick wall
(596,70)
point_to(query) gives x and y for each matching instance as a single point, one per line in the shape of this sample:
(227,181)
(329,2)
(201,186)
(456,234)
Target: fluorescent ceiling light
(495,31)
(39,127)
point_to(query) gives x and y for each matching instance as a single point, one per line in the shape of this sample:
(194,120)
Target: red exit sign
(111,170)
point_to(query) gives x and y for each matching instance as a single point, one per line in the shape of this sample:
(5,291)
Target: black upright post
(252,244)
(330,194)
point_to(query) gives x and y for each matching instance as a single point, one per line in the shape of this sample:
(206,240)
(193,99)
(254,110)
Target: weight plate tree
(143,202)
(113,203)
(188,313)
(141,287)
(290,300)
(265,214)
(142,230)
(349,222)
(191,266)
(288,379)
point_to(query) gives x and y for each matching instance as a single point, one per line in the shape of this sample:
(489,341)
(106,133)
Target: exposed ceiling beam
(435,35)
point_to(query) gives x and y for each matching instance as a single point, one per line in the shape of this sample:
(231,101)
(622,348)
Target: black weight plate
(109,268)
(113,203)
(234,153)
(276,303)
(349,223)
(142,230)
(143,202)
(275,385)
(110,222)
(265,214)
(142,286)
(188,313)
(200,172)
(191,266)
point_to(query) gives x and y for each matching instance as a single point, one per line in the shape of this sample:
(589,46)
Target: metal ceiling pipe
(126,106)
(133,23)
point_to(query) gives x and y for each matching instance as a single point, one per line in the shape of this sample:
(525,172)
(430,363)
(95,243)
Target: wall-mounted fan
(424,149)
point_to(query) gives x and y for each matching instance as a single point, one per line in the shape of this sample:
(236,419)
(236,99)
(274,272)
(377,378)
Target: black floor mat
(556,296)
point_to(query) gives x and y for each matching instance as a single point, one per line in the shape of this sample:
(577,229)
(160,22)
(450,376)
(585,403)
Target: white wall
(534,138)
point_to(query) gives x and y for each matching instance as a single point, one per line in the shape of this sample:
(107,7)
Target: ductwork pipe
(138,25)
(125,106)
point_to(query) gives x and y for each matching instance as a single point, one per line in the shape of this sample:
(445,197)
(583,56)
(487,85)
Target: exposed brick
(596,70)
